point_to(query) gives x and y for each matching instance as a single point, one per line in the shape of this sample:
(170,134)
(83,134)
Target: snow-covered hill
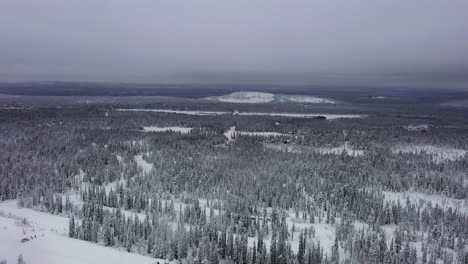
(50,242)
(261,98)
(304,99)
(245,98)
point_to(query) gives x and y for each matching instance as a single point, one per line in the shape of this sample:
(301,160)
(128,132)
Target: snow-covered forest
(375,183)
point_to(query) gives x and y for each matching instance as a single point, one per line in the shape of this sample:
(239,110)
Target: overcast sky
(372,42)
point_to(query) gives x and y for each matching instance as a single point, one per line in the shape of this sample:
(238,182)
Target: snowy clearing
(208,113)
(261,134)
(231,133)
(417,128)
(438,154)
(300,115)
(50,243)
(183,130)
(169,111)
(341,149)
(143,164)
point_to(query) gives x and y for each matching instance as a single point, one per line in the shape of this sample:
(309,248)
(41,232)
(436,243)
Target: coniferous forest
(388,185)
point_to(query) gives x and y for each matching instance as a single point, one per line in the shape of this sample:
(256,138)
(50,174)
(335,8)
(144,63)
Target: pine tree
(71,228)
(21,260)
(273,253)
(335,255)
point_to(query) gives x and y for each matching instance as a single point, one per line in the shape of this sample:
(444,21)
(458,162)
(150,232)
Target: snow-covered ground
(302,115)
(438,154)
(261,134)
(169,111)
(286,148)
(262,98)
(420,127)
(338,150)
(427,199)
(231,133)
(143,164)
(244,98)
(183,130)
(305,99)
(208,113)
(50,243)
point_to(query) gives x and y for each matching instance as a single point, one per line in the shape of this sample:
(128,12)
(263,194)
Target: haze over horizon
(362,42)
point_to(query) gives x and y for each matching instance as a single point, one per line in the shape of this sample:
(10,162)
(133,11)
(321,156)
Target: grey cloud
(207,40)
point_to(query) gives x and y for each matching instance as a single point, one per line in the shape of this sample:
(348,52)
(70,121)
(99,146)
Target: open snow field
(261,134)
(177,129)
(341,149)
(51,243)
(208,113)
(417,128)
(232,133)
(438,154)
(244,98)
(143,164)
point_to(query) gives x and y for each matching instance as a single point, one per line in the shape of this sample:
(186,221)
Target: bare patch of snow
(244,98)
(143,164)
(50,243)
(339,150)
(183,112)
(261,134)
(285,148)
(299,115)
(305,99)
(183,130)
(421,127)
(211,113)
(231,133)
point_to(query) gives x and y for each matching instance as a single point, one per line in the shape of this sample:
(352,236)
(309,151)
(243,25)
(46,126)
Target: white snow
(420,127)
(51,244)
(143,164)
(169,111)
(287,148)
(300,115)
(183,130)
(231,133)
(261,134)
(438,154)
(305,99)
(338,150)
(208,113)
(244,98)
(262,98)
